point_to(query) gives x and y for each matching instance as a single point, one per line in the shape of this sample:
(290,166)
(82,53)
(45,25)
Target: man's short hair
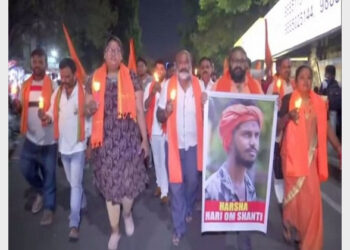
(159,61)
(39,52)
(68,62)
(330,69)
(205,58)
(117,40)
(234,49)
(140,59)
(186,52)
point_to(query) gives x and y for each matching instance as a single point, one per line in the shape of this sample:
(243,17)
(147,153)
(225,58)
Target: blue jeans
(183,195)
(74,168)
(35,158)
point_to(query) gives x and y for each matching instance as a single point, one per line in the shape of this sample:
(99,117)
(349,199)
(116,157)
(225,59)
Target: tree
(89,22)
(220,23)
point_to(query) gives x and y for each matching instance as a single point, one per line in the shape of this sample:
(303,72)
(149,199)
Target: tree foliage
(220,23)
(89,22)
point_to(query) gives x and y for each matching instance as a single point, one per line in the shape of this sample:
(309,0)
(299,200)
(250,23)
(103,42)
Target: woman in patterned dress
(119,140)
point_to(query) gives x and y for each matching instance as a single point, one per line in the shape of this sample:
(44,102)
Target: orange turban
(233,116)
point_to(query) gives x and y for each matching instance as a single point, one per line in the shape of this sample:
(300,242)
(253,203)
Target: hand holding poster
(239,135)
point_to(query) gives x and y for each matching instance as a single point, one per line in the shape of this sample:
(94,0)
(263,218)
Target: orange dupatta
(294,149)
(126,100)
(45,93)
(174,163)
(81,117)
(226,84)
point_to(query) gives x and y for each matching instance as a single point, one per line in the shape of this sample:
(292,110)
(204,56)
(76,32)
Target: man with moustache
(205,71)
(71,129)
(180,108)
(39,152)
(239,128)
(237,79)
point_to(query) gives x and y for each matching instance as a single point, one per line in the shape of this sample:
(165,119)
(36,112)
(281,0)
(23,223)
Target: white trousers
(158,152)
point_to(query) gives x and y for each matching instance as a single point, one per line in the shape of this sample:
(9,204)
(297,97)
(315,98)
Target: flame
(13,89)
(41,102)
(298,103)
(156,77)
(195,71)
(96,86)
(173,94)
(279,83)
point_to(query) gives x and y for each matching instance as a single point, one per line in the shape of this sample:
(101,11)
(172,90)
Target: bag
(334,95)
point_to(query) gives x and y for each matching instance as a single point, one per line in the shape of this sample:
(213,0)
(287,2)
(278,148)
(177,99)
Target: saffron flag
(132,56)
(80,69)
(268,57)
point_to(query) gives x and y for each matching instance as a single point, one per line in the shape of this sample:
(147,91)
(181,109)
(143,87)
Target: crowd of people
(125,121)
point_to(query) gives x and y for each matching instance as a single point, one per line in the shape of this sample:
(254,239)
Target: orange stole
(45,93)
(80,116)
(126,100)
(174,163)
(225,83)
(294,149)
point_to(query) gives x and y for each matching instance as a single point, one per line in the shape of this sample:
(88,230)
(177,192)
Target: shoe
(157,192)
(164,200)
(73,234)
(47,218)
(37,204)
(113,241)
(129,225)
(176,240)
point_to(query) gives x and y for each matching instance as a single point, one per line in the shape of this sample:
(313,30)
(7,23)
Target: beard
(184,75)
(248,164)
(237,74)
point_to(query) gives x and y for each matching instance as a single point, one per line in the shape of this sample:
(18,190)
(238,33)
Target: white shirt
(185,116)
(36,133)
(68,123)
(156,126)
(209,86)
(287,90)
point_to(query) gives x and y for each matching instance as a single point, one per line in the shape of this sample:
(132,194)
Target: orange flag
(132,56)
(80,69)
(268,57)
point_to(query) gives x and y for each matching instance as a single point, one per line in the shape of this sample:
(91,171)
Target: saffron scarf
(226,84)
(126,100)
(174,163)
(80,116)
(46,92)
(294,149)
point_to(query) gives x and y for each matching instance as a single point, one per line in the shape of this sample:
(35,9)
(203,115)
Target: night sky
(159,21)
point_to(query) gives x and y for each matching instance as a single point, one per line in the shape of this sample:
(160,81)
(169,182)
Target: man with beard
(237,79)
(239,128)
(142,72)
(205,71)
(39,153)
(180,110)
